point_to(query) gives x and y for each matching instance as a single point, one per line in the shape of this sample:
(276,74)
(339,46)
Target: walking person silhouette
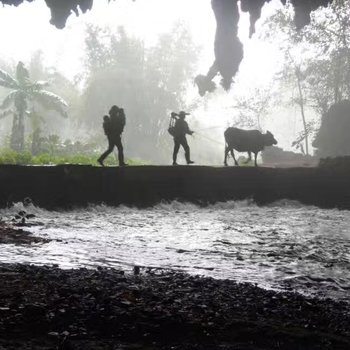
(179,130)
(113,126)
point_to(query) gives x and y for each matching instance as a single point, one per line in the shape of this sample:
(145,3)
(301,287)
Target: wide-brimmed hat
(182,113)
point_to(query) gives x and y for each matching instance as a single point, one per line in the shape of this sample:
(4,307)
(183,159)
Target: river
(283,246)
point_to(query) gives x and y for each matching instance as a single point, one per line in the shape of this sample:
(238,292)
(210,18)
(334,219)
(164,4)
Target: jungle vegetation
(316,67)
(147,82)
(23,96)
(151,81)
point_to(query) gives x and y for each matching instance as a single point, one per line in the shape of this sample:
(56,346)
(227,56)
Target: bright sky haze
(25,29)
(20,35)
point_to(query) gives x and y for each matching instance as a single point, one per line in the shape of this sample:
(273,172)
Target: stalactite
(254,8)
(303,8)
(227,47)
(60,10)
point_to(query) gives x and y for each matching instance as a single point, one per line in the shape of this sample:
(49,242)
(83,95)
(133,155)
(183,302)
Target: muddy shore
(48,308)
(66,186)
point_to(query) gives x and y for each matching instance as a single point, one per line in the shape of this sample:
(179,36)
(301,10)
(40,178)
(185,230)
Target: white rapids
(285,245)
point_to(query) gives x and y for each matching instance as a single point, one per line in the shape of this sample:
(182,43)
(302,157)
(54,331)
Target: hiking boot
(99,161)
(123,164)
(175,163)
(190,162)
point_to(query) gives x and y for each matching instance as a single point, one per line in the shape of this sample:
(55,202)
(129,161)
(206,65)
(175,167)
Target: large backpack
(171,128)
(118,122)
(171,131)
(121,120)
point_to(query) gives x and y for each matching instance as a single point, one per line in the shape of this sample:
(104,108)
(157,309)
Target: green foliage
(52,150)
(24,91)
(148,82)
(9,156)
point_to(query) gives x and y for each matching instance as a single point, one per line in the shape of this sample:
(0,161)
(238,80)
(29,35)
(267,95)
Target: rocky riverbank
(48,308)
(14,235)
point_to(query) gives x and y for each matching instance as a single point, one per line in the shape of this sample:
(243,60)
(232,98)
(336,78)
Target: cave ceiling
(228,49)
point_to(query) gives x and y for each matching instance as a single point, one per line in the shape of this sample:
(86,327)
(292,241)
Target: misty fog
(112,239)
(127,54)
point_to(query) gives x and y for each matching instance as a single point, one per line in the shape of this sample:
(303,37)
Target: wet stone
(94,309)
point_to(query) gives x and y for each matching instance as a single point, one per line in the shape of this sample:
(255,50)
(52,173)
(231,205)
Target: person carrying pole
(179,128)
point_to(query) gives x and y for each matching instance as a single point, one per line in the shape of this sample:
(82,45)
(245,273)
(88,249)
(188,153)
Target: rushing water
(285,245)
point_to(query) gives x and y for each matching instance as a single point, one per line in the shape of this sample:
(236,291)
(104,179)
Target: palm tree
(24,91)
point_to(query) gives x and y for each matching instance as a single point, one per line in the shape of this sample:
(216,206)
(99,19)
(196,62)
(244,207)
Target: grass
(9,156)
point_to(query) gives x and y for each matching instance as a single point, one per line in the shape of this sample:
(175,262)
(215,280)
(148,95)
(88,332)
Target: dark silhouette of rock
(14,235)
(303,8)
(335,165)
(228,49)
(62,9)
(332,139)
(67,186)
(254,8)
(277,157)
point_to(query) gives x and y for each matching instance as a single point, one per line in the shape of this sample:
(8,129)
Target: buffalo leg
(249,157)
(226,154)
(255,156)
(233,156)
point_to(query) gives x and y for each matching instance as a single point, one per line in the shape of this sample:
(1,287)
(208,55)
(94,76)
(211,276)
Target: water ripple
(282,245)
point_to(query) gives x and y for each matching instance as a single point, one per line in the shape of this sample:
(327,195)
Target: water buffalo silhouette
(251,141)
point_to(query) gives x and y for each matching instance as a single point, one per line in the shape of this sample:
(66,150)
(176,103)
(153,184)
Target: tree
(281,28)
(25,91)
(252,108)
(63,87)
(328,36)
(317,59)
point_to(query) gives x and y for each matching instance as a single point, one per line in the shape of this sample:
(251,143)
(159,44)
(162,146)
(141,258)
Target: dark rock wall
(61,9)
(228,48)
(303,8)
(332,139)
(65,186)
(254,8)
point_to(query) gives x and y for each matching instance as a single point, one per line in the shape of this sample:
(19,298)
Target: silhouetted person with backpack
(113,126)
(179,130)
